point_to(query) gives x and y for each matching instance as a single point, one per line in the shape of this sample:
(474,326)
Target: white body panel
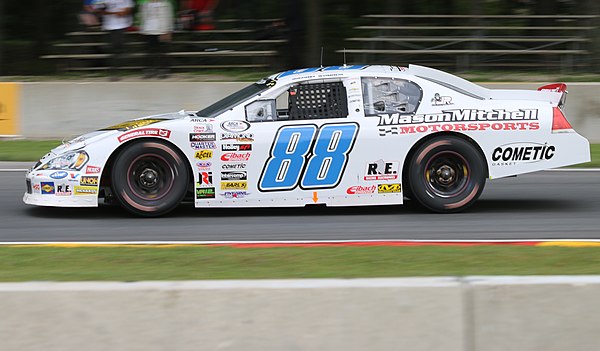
(353,160)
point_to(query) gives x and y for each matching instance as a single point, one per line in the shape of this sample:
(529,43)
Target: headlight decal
(72,161)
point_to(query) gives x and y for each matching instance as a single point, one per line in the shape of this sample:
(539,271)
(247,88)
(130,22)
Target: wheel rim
(447,174)
(150,177)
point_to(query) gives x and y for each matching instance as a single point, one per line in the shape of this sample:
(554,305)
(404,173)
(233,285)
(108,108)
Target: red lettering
(407,130)
(522,125)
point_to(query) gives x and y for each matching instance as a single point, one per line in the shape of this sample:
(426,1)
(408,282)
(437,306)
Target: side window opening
(388,95)
(318,100)
(302,101)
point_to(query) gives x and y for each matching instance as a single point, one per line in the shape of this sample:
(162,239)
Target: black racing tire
(149,178)
(447,174)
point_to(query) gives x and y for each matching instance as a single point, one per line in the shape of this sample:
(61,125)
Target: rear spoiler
(557,88)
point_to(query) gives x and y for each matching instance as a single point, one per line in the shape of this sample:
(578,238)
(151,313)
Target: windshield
(232,100)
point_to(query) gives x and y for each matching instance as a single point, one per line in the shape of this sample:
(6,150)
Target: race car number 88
(325,159)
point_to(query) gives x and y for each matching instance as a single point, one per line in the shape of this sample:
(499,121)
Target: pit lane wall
(462,314)
(65,109)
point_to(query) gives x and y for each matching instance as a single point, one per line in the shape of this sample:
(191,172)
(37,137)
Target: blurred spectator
(87,17)
(197,14)
(157,25)
(116,18)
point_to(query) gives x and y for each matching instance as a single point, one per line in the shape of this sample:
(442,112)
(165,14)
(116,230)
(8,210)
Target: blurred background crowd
(280,34)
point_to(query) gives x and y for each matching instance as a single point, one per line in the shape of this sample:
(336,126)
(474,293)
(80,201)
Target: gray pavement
(542,205)
(7,165)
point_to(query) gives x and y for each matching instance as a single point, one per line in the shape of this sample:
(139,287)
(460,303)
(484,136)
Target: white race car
(336,136)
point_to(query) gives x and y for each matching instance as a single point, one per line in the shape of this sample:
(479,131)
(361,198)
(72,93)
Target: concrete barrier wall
(57,110)
(468,314)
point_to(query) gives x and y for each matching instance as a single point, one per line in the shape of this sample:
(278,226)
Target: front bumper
(42,190)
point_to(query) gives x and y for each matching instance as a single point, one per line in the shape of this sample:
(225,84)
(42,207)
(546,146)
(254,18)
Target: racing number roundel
(297,157)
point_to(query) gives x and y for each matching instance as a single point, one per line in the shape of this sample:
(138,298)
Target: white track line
(258,242)
(573,170)
(546,170)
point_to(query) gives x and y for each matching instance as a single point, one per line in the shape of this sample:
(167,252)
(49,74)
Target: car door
(304,140)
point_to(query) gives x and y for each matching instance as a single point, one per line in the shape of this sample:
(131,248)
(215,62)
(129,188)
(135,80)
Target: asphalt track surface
(542,205)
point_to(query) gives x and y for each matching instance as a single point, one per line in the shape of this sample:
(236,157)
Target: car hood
(95,136)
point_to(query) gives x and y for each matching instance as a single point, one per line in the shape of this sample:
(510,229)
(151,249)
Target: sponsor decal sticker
(204,179)
(87,180)
(233,166)
(235,157)
(59,175)
(234,185)
(240,175)
(48,188)
(154,132)
(513,153)
(73,177)
(203,154)
(382,170)
(125,126)
(458,120)
(204,165)
(235,194)
(203,128)
(439,100)
(63,190)
(236,147)
(359,190)
(85,190)
(37,187)
(92,169)
(201,120)
(235,126)
(205,193)
(241,137)
(203,137)
(389,188)
(198,145)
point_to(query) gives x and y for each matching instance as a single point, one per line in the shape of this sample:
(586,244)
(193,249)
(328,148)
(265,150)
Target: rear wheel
(149,178)
(447,174)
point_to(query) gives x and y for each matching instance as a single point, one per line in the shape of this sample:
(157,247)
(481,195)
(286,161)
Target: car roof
(335,71)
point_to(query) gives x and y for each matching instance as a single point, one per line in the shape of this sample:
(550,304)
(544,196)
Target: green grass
(25,150)
(190,263)
(32,150)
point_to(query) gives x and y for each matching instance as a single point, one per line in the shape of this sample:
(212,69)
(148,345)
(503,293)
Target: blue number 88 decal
(293,148)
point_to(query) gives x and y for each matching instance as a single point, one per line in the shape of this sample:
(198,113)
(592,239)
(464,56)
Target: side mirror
(260,111)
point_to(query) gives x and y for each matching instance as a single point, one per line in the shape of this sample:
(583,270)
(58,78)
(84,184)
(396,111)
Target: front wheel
(149,178)
(447,174)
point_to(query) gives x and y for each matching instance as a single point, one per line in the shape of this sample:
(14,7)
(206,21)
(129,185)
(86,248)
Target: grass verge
(191,263)
(25,150)
(32,150)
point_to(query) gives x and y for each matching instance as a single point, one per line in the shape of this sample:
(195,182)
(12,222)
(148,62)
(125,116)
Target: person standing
(157,23)
(116,18)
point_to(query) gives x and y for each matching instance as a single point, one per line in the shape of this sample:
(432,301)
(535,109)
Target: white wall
(466,314)
(57,110)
